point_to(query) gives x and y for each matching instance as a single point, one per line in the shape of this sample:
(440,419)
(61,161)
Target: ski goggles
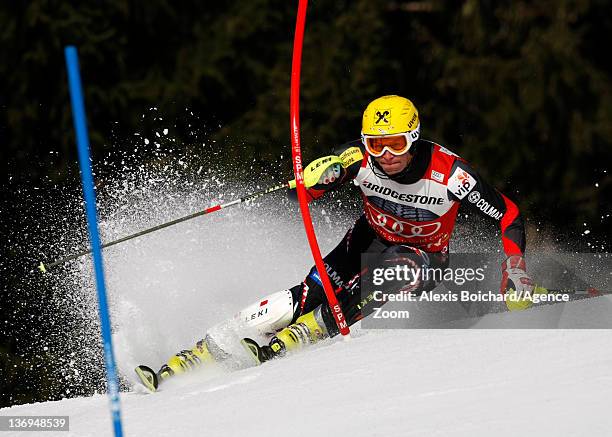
(396,144)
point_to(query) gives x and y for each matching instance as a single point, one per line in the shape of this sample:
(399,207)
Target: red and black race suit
(419,206)
(415,209)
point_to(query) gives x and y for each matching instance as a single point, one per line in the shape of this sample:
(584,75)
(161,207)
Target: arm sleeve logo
(461,183)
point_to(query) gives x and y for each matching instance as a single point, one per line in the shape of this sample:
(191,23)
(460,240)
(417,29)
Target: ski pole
(589,291)
(43,267)
(312,174)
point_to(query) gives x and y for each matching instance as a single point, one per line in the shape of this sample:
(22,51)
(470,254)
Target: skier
(412,189)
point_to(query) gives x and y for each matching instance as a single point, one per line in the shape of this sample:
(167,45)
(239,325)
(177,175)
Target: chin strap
(376,169)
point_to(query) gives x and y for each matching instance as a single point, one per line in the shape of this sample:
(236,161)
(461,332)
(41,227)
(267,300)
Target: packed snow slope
(166,289)
(384,383)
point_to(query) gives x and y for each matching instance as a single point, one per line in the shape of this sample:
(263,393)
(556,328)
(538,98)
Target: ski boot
(307,329)
(183,361)
(269,314)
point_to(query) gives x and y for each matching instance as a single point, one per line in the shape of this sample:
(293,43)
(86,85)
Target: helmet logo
(382,116)
(412,120)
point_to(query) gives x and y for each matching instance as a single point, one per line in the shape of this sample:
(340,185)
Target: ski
(259,354)
(147,377)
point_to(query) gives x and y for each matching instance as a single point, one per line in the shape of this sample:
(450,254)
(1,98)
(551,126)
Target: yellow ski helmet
(391,115)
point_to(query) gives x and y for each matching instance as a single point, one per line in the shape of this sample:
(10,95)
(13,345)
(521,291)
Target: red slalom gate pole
(296,153)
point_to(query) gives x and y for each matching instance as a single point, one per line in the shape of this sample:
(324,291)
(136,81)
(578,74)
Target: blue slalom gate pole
(82,137)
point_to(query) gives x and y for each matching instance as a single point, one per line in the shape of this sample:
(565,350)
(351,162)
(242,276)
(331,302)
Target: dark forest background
(521,89)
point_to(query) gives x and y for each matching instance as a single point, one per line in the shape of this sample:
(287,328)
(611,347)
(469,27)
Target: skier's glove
(331,174)
(516,284)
